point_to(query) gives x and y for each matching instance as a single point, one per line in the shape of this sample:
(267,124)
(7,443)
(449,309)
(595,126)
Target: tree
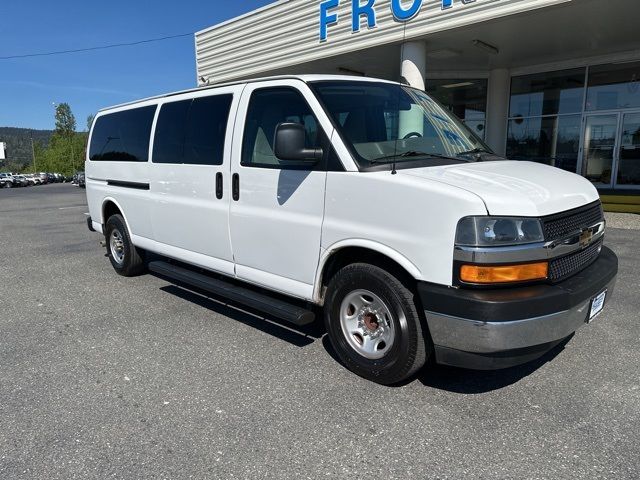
(65,121)
(66,150)
(90,119)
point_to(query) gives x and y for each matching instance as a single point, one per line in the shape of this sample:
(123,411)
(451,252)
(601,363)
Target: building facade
(552,81)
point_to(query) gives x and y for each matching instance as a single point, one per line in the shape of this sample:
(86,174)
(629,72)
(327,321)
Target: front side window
(192,131)
(122,136)
(384,123)
(267,109)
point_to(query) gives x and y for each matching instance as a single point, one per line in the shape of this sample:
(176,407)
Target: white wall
(3,148)
(286,33)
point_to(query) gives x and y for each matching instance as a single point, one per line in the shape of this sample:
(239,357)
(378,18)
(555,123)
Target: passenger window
(268,108)
(192,131)
(168,144)
(122,136)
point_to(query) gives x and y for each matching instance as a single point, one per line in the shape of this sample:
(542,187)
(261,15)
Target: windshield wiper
(474,151)
(412,153)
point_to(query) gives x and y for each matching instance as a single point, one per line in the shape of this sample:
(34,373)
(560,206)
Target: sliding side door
(191,183)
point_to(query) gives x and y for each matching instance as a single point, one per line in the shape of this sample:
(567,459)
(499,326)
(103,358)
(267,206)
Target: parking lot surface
(107,377)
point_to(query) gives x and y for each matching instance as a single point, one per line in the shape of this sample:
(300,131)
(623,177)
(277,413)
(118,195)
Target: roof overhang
(287,33)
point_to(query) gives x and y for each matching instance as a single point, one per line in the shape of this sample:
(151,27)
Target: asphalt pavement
(106,377)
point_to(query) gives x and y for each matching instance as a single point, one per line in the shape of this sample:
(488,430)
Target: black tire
(411,346)
(131,262)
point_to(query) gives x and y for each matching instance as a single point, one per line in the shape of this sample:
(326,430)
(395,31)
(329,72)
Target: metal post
(33,152)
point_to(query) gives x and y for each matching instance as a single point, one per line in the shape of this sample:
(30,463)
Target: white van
(359,198)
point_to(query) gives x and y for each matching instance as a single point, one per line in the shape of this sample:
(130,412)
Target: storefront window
(629,168)
(549,93)
(551,140)
(614,86)
(467,99)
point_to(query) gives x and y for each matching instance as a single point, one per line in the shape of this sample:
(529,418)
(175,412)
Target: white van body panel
(416,218)
(515,187)
(136,203)
(288,223)
(185,213)
(276,224)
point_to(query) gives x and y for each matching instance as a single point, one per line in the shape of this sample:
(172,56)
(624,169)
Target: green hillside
(18,142)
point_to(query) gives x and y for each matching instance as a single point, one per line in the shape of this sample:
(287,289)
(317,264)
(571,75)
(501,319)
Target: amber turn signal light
(504,273)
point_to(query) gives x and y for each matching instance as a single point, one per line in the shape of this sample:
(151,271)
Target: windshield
(385,123)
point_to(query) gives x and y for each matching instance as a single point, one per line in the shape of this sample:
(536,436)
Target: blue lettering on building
(327,18)
(402,10)
(402,14)
(358,10)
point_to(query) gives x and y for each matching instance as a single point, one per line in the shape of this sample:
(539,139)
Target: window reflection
(629,168)
(466,99)
(614,86)
(547,93)
(551,140)
(599,141)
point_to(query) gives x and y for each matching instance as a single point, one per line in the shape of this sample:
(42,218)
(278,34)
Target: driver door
(277,209)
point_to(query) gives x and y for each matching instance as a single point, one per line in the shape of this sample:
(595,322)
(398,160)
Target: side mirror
(289,144)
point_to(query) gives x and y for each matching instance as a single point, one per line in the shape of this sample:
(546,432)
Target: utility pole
(33,152)
(73,158)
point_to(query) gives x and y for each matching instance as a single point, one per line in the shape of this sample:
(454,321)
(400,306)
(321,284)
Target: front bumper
(492,329)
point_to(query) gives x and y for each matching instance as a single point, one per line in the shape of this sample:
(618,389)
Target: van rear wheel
(125,258)
(374,326)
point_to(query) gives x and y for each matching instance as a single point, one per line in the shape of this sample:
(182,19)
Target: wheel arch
(347,252)
(110,206)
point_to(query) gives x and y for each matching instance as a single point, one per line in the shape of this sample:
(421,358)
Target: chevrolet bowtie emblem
(585,237)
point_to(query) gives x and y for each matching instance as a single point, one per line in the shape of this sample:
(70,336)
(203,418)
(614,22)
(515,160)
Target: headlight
(498,231)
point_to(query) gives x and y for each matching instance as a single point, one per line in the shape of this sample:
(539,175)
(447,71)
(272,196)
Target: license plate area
(597,304)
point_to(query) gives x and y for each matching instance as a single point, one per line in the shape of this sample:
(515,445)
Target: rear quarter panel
(134,204)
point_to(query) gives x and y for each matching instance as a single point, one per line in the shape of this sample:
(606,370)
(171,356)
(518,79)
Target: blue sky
(92,80)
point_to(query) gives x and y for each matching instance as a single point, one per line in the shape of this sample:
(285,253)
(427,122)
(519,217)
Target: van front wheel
(373,324)
(125,258)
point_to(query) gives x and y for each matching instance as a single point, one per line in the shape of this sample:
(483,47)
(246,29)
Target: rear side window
(192,131)
(122,136)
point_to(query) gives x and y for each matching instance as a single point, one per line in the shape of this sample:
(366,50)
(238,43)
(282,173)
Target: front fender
(377,247)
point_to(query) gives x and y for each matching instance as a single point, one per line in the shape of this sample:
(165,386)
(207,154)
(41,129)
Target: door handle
(219,190)
(235,187)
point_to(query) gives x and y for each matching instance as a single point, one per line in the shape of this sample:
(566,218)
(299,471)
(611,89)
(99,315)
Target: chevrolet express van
(362,199)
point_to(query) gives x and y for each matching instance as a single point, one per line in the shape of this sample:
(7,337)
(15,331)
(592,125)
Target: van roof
(305,78)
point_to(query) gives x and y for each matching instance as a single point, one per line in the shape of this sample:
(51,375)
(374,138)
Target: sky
(89,81)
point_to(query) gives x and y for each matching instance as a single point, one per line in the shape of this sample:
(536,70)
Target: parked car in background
(32,179)
(6,180)
(22,181)
(81,180)
(43,178)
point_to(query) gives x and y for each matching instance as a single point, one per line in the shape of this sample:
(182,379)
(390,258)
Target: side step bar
(273,306)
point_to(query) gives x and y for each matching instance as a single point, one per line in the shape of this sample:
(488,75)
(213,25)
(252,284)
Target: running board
(259,301)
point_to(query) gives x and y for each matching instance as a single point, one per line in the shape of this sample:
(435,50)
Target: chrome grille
(564,267)
(562,224)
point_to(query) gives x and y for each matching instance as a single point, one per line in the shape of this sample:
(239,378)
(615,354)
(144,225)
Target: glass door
(599,152)
(628,161)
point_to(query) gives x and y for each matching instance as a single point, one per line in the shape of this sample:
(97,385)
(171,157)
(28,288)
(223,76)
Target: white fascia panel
(286,33)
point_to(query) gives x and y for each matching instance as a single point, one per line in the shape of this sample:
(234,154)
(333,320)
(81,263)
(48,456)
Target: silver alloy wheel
(116,244)
(367,324)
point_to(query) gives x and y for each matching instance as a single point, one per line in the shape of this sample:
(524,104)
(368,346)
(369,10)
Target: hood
(514,187)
